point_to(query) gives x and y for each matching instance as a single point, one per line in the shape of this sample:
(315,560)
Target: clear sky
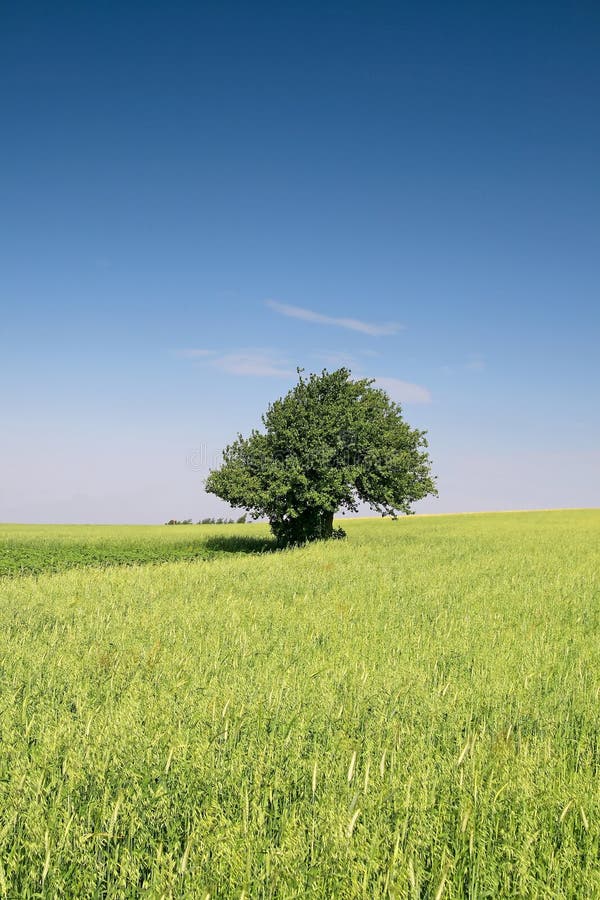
(196,198)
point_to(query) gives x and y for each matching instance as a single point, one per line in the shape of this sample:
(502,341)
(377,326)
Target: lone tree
(328,444)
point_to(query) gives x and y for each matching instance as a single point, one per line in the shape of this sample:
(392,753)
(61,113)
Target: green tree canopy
(329,444)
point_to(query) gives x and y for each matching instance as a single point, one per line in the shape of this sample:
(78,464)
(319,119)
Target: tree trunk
(311,524)
(326,523)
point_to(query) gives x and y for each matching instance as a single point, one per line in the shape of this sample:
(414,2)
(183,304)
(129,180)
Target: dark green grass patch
(30,550)
(31,559)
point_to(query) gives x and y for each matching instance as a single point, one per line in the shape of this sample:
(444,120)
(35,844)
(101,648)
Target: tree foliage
(329,444)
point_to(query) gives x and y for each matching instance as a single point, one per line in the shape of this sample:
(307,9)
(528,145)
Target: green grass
(413,712)
(33,549)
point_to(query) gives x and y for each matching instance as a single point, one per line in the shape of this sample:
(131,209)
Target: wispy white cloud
(404,391)
(308,315)
(253,362)
(476,363)
(241,362)
(335,359)
(193,353)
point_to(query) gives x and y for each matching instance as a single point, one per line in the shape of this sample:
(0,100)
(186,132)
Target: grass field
(413,712)
(33,549)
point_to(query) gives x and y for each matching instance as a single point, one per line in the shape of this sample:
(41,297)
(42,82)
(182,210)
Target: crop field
(33,549)
(412,712)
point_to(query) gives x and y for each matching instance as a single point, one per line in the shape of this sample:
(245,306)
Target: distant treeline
(209,521)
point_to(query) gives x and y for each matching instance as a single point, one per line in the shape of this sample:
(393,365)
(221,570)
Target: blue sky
(194,200)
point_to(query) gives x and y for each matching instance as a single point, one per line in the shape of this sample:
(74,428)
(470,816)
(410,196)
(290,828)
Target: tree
(330,443)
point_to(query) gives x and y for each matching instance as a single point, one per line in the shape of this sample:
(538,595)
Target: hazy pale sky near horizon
(195,199)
